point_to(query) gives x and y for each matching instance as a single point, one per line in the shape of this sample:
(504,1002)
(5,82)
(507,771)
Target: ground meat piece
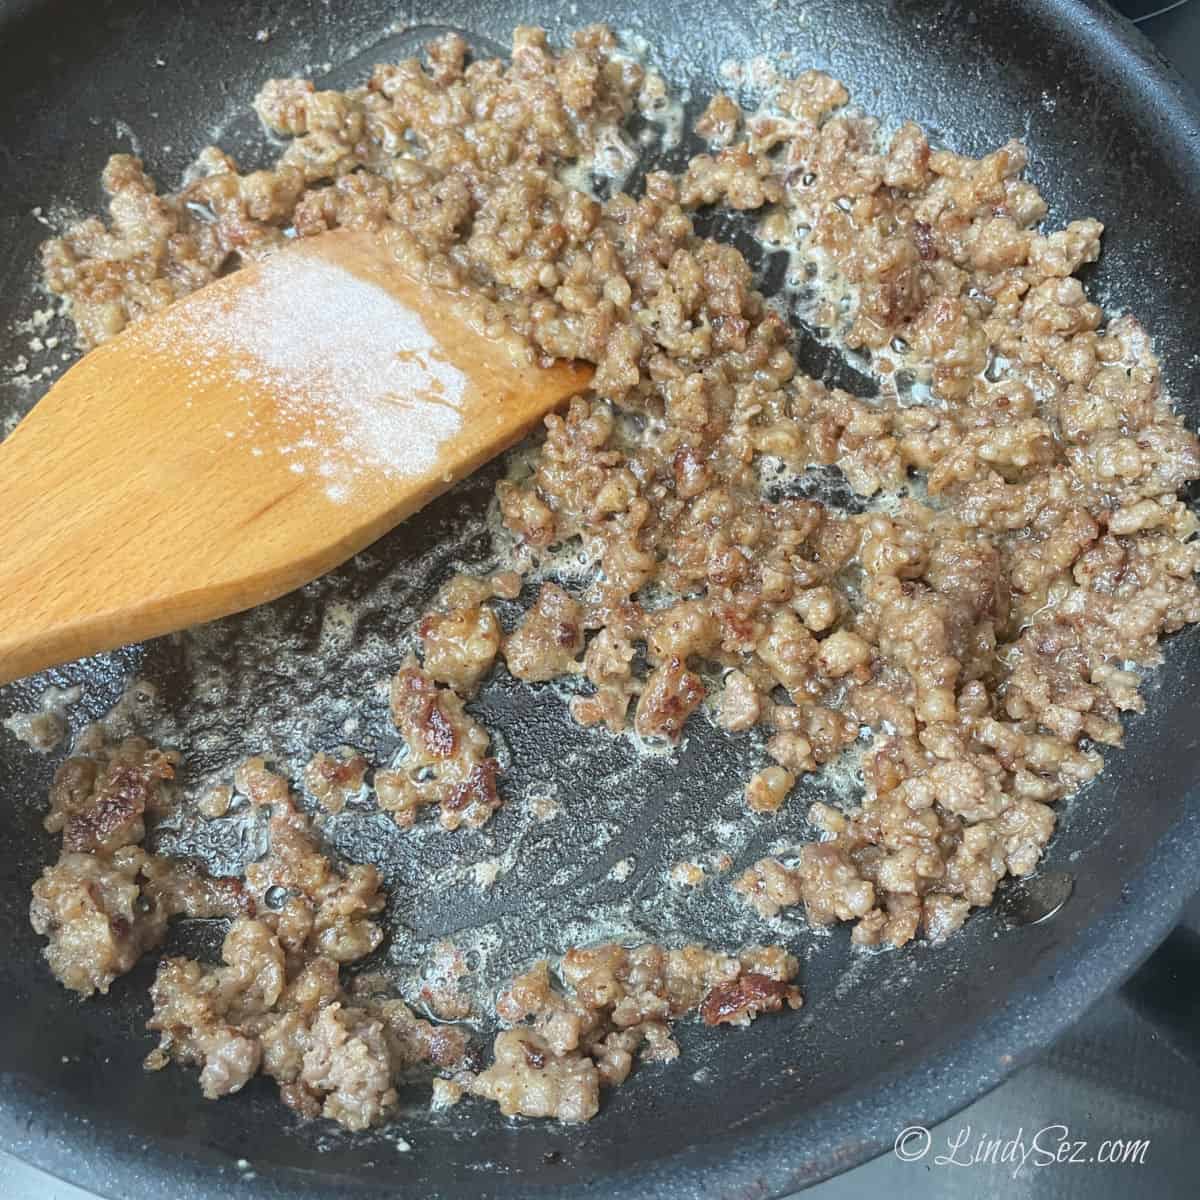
(399,794)
(549,639)
(809,730)
(327,911)
(334,778)
(685,630)
(646,982)
(473,799)
(831,886)
(424,714)
(896,921)
(412,1040)
(788,650)
(348,1067)
(907,166)
(793,751)
(818,607)
(181,887)
(98,804)
(440,991)
(528,1079)
(942,915)
(106,901)
(154,251)
(739,1002)
(619,1005)
(526,514)
(740,705)
(92,911)
(276,1003)
(215,801)
(768,789)
(735,176)
(607,665)
(963,788)
(447,763)
(841,653)
(230,1062)
(281,105)
(718,123)
(446,1094)
(811,96)
(769,886)
(263,786)
(460,646)
(671,694)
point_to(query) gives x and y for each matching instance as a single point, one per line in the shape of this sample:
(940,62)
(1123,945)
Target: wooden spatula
(245,440)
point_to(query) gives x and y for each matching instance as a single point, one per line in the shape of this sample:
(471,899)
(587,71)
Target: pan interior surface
(884,1039)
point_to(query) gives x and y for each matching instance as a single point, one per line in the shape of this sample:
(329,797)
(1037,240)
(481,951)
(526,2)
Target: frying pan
(884,1040)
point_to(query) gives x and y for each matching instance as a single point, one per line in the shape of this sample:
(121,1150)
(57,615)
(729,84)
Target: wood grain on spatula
(248,438)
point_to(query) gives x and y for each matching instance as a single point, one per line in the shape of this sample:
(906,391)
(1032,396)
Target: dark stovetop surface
(1113,1076)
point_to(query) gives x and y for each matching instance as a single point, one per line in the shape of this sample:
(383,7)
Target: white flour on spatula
(360,383)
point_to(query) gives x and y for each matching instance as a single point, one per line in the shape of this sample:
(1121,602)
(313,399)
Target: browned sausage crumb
(567,1044)
(739,1002)
(334,778)
(447,762)
(107,901)
(277,1003)
(719,122)
(978,628)
(768,789)
(549,639)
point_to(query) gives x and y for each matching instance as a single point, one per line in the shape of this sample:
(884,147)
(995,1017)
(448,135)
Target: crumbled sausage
(565,1045)
(977,636)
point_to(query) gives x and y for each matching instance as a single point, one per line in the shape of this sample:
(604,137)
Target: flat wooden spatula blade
(245,440)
